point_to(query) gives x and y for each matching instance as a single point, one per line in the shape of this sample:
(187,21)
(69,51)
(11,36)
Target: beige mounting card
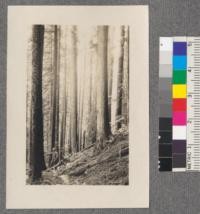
(19,195)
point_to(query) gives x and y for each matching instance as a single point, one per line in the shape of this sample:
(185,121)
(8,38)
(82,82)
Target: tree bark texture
(102,87)
(37,163)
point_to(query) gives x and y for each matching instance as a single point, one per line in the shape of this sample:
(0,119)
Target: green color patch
(179,77)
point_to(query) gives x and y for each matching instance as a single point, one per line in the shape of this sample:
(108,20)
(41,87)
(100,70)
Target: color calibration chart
(179,103)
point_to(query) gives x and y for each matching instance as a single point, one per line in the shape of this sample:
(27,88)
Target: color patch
(179,118)
(179,146)
(165,57)
(179,91)
(179,77)
(165,123)
(165,150)
(165,84)
(179,48)
(165,70)
(165,97)
(165,110)
(179,133)
(179,62)
(165,137)
(179,104)
(166,44)
(165,164)
(179,160)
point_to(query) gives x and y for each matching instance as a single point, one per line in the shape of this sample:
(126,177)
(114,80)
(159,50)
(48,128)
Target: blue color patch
(179,48)
(179,62)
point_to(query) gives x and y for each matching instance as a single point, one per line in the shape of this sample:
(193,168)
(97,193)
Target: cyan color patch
(179,62)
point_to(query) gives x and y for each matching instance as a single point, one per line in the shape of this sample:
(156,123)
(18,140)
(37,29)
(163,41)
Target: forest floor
(108,167)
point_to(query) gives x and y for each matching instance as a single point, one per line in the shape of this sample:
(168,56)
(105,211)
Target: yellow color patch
(179,91)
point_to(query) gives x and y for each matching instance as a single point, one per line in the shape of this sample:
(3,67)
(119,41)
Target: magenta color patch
(179,118)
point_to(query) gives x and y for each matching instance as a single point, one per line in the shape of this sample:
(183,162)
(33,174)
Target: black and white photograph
(78,105)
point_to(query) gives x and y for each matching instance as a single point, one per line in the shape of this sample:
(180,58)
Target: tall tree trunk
(103,129)
(55,125)
(125,83)
(63,90)
(92,80)
(47,88)
(36,150)
(120,81)
(63,124)
(116,101)
(110,67)
(69,149)
(73,70)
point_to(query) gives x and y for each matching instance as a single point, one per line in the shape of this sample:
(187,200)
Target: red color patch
(179,105)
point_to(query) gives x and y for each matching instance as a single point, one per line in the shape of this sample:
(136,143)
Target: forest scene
(77,105)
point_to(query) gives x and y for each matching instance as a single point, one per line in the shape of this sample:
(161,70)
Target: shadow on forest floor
(109,167)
